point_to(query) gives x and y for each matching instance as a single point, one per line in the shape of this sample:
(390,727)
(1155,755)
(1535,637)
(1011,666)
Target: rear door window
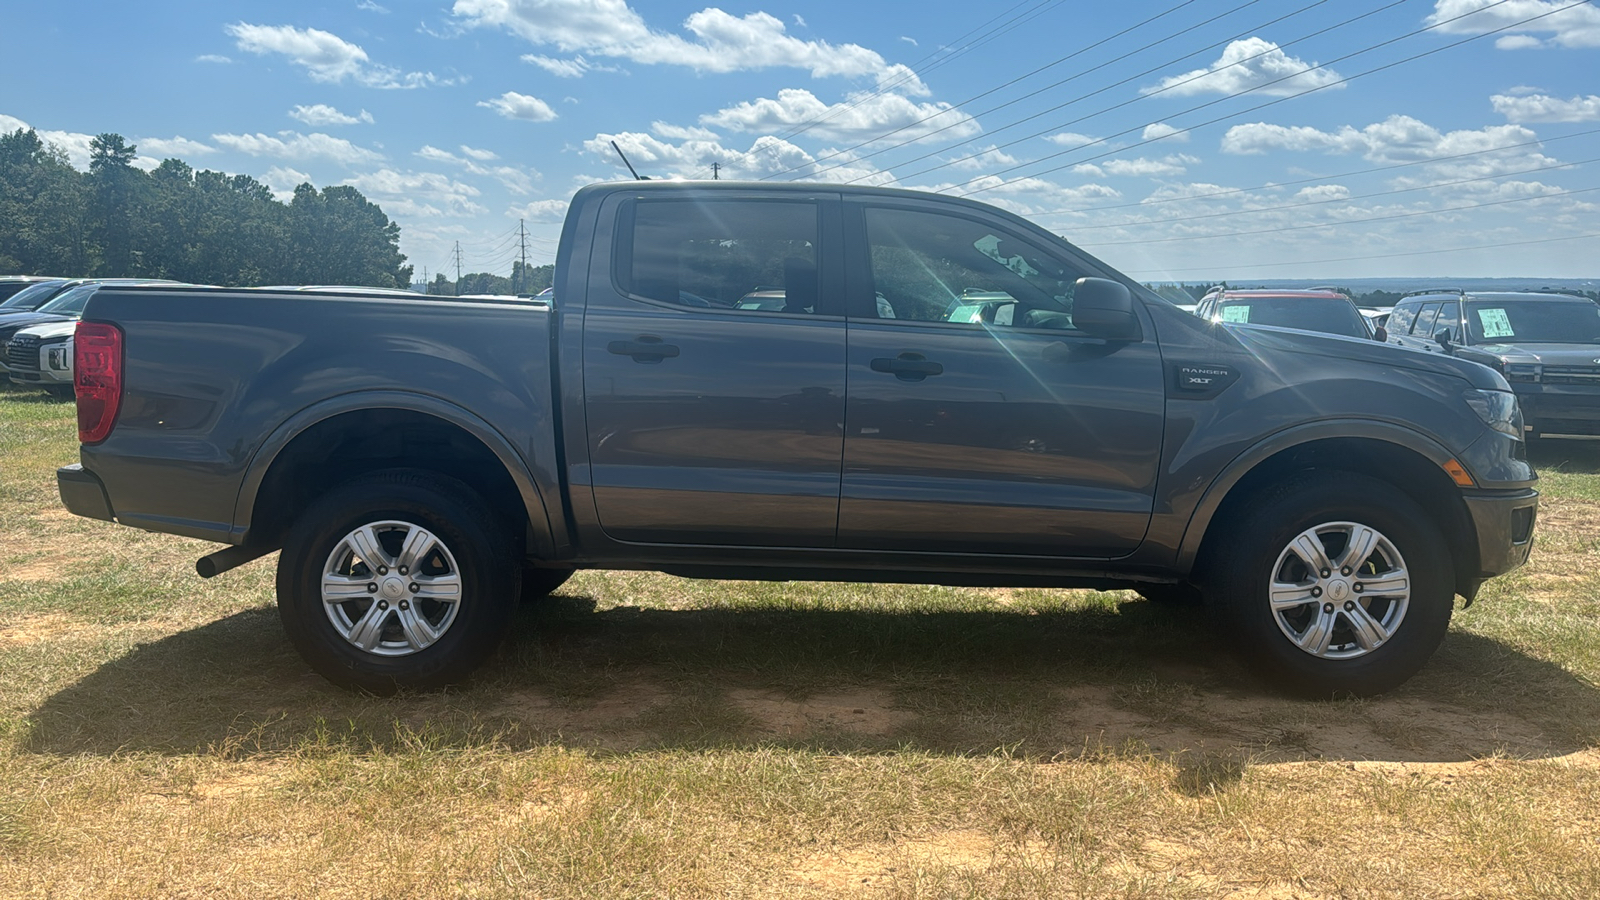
(1424,324)
(736,256)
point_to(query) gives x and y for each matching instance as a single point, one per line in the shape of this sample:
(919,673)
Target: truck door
(713,369)
(978,420)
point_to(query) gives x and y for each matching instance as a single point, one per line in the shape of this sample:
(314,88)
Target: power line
(1282,228)
(1313,262)
(1173,86)
(1013,81)
(1261,106)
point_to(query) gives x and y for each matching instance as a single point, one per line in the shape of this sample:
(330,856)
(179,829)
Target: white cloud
(178,146)
(542,211)
(576,67)
(74,144)
(419,193)
(863,117)
(1071,139)
(682,132)
(513,179)
(715,41)
(799,21)
(296,146)
(212,58)
(370,6)
(910,40)
(322,114)
(1138,167)
(1249,64)
(1518,42)
(283,180)
(988,158)
(513,105)
(1399,139)
(1322,192)
(326,56)
(1578,26)
(693,158)
(1162,131)
(1544,108)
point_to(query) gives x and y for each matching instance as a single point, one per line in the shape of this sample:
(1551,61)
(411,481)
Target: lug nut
(383,570)
(404,604)
(402,570)
(383,604)
(1349,606)
(1326,573)
(1358,587)
(415,587)
(1345,571)
(1327,607)
(1316,592)
(372,587)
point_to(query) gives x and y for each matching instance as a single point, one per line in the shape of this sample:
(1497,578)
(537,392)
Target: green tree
(340,237)
(118,193)
(42,207)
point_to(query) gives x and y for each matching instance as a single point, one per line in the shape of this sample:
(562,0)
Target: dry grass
(646,736)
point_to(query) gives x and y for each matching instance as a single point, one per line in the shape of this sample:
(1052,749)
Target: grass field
(647,736)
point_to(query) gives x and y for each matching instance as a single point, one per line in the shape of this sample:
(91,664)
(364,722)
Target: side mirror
(1104,308)
(1380,333)
(1443,337)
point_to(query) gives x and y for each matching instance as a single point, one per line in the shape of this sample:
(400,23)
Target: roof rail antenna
(636,175)
(1434,291)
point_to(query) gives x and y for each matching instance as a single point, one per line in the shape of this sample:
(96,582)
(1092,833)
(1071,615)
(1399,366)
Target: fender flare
(1241,465)
(516,467)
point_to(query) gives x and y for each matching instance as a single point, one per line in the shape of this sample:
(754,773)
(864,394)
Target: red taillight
(97,378)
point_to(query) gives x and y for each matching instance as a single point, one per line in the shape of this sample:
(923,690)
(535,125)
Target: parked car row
(1546,345)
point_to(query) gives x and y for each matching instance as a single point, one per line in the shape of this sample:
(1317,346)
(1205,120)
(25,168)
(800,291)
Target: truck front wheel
(1336,584)
(397,580)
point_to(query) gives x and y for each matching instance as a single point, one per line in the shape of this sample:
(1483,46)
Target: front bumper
(83,493)
(1560,408)
(1504,522)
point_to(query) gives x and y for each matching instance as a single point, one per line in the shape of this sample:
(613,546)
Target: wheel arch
(333,440)
(1410,461)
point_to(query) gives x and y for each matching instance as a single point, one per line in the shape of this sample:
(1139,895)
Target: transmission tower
(523,232)
(458,268)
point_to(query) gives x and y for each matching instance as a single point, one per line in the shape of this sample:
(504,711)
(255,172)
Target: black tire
(538,584)
(61,391)
(1255,549)
(432,646)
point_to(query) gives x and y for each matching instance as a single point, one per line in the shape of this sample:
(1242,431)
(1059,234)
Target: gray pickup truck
(800,382)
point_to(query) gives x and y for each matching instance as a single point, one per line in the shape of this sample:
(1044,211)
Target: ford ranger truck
(800,382)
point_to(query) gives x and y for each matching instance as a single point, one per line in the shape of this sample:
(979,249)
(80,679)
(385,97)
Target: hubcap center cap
(392,588)
(1338,589)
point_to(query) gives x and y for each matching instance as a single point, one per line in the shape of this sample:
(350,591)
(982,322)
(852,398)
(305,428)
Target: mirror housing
(1443,337)
(1104,308)
(1380,333)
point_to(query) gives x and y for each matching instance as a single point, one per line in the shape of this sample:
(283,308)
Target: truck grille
(1571,375)
(22,353)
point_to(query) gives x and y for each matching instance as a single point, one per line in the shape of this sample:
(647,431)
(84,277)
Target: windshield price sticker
(1236,314)
(1495,324)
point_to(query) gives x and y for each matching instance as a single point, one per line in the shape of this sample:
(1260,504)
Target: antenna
(636,175)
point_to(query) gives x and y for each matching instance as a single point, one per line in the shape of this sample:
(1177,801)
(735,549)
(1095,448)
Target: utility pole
(458,268)
(424,279)
(716,169)
(523,232)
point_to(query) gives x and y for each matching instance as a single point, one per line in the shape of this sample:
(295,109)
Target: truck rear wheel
(1335,584)
(397,580)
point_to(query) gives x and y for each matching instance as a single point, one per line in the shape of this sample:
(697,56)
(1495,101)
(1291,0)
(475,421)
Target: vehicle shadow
(1121,677)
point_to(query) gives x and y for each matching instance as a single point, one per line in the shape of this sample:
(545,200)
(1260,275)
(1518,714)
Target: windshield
(31,296)
(1330,315)
(1534,322)
(71,302)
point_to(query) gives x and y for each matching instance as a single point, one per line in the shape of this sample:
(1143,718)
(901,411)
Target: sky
(1193,140)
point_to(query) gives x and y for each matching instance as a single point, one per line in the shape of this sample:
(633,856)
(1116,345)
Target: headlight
(59,358)
(1521,372)
(1498,410)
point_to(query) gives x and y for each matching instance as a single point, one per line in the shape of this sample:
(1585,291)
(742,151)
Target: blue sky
(1176,140)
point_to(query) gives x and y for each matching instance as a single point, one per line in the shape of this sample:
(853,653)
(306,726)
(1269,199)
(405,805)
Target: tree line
(174,222)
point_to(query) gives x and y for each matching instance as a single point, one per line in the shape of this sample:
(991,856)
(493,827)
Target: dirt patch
(37,570)
(869,711)
(234,786)
(607,718)
(27,630)
(850,868)
(1575,519)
